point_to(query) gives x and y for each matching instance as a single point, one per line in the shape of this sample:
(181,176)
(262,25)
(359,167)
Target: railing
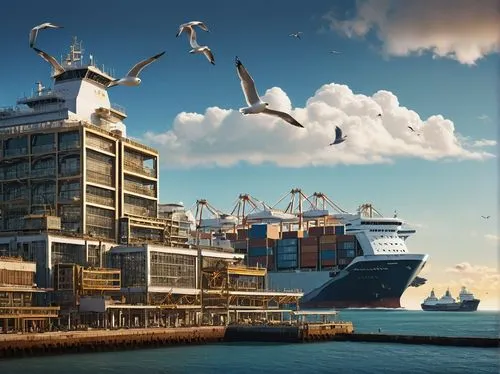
(25,312)
(137,210)
(118,108)
(140,189)
(102,144)
(97,177)
(101,200)
(139,169)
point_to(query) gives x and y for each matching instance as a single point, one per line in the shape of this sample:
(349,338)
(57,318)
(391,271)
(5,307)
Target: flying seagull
(188,25)
(338,136)
(296,34)
(485,217)
(132,79)
(51,60)
(413,130)
(34,31)
(196,47)
(256,105)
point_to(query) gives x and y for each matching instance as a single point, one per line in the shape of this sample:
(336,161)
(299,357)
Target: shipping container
(344,261)
(346,245)
(257,243)
(259,251)
(287,242)
(327,246)
(329,230)
(340,230)
(271,263)
(345,238)
(242,234)
(327,255)
(239,244)
(309,260)
(288,249)
(346,253)
(316,231)
(282,263)
(309,249)
(292,234)
(325,264)
(311,240)
(263,230)
(328,239)
(231,236)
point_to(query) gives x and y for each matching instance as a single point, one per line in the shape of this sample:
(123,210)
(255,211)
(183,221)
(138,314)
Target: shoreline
(14,346)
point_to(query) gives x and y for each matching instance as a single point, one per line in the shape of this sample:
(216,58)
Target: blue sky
(445,196)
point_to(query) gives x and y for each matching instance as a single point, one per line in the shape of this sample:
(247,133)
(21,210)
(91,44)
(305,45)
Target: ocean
(326,357)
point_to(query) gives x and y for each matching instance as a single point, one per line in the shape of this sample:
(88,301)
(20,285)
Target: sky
(432,65)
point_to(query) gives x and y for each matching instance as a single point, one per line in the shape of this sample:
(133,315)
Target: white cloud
(483,117)
(464,30)
(492,237)
(467,268)
(224,137)
(484,143)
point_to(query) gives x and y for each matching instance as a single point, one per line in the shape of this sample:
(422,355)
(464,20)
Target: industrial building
(18,310)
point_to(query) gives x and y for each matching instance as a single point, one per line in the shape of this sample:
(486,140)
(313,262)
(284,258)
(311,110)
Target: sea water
(311,358)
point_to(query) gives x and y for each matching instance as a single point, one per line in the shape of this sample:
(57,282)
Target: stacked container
(287,253)
(309,252)
(292,234)
(261,245)
(327,251)
(346,248)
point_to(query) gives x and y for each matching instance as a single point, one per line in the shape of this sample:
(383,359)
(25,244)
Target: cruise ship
(466,302)
(339,260)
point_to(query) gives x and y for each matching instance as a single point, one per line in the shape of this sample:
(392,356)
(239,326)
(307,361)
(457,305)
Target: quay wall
(478,342)
(27,345)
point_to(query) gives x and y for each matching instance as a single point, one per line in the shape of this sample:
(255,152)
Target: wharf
(478,342)
(26,345)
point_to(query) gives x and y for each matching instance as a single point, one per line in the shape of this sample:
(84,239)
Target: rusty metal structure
(18,309)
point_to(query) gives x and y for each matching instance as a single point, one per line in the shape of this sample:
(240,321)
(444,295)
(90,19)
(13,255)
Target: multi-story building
(72,185)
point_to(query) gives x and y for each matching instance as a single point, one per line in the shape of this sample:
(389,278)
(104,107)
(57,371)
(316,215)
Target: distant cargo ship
(342,261)
(466,302)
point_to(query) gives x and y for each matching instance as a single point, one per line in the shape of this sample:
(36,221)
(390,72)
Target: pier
(454,341)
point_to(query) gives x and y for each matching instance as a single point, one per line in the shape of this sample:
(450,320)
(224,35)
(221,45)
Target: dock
(36,344)
(454,341)
(27,345)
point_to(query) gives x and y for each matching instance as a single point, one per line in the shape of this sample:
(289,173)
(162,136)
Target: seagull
(338,136)
(187,25)
(413,130)
(34,31)
(485,217)
(256,105)
(132,79)
(335,52)
(196,47)
(296,34)
(51,60)
(379,115)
